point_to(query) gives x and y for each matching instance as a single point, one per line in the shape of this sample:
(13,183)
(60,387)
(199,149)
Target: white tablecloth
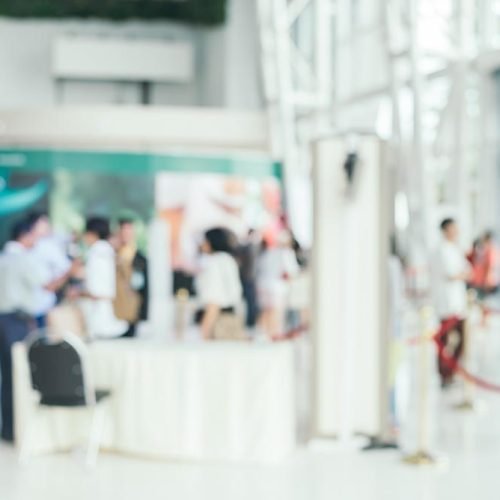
(193,401)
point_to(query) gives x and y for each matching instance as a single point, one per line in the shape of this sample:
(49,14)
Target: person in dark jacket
(247,256)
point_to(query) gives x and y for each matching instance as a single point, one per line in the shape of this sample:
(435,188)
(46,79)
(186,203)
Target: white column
(419,199)
(160,280)
(350,291)
(241,51)
(489,184)
(460,176)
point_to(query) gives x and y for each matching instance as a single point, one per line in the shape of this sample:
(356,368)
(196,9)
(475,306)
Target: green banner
(129,163)
(16,200)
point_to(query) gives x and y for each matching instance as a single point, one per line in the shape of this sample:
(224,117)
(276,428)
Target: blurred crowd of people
(96,285)
(454,273)
(484,259)
(38,271)
(271,279)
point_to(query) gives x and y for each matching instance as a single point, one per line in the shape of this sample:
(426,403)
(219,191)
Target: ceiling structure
(416,72)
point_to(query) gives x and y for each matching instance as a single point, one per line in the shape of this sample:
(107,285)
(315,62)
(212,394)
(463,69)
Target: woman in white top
(100,282)
(218,284)
(276,268)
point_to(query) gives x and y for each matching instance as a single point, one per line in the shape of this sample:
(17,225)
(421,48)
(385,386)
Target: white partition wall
(350,290)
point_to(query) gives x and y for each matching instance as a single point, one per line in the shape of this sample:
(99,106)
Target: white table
(186,401)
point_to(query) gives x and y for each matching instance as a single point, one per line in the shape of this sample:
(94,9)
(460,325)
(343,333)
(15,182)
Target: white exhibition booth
(235,402)
(178,401)
(171,399)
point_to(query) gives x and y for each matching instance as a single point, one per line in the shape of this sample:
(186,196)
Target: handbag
(229,326)
(127,302)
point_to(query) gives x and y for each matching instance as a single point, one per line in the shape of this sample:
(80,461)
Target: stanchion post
(468,402)
(423,456)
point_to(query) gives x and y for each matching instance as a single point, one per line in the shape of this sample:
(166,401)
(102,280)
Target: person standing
(276,268)
(100,283)
(491,273)
(21,280)
(476,259)
(131,302)
(49,255)
(218,287)
(451,274)
(248,255)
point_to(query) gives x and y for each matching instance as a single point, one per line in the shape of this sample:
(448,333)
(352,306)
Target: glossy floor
(470,442)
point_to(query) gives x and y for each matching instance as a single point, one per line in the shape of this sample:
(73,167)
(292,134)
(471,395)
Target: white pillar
(419,196)
(459,175)
(350,292)
(160,280)
(241,54)
(489,206)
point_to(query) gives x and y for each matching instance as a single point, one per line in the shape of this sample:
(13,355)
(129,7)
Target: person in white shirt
(100,283)
(275,269)
(451,272)
(54,263)
(218,284)
(20,279)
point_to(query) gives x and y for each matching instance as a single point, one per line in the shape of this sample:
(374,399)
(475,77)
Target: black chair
(61,378)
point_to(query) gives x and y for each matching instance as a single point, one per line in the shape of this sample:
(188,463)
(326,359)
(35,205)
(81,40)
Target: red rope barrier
(457,368)
(489,310)
(452,363)
(446,327)
(293,333)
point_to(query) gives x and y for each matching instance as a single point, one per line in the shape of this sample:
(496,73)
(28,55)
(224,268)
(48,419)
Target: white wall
(226,63)
(243,88)
(137,128)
